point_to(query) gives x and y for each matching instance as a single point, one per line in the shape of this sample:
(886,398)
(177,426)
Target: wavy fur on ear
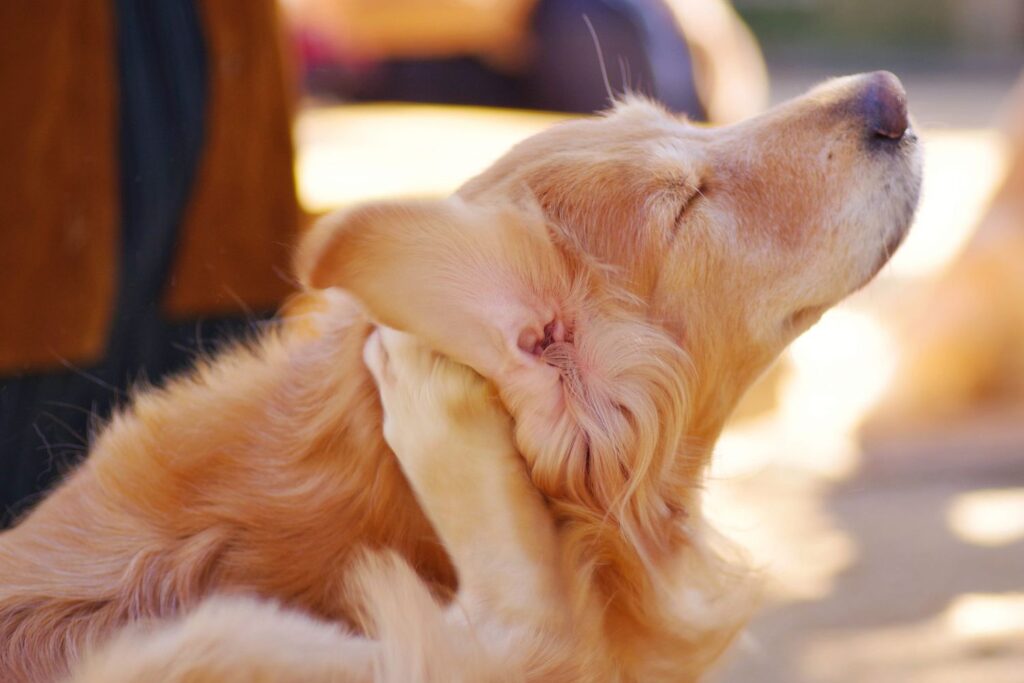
(600,413)
(614,449)
(601,408)
(625,492)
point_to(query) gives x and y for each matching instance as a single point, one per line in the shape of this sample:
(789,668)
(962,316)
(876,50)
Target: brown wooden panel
(58,181)
(243,214)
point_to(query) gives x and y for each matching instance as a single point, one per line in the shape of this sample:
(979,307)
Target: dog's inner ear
(480,284)
(596,392)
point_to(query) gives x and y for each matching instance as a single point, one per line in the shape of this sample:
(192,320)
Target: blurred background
(162,157)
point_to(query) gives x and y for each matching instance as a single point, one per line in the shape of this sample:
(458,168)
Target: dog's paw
(433,406)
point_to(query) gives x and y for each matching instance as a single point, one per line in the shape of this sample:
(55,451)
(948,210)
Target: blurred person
(963,351)
(146,184)
(695,56)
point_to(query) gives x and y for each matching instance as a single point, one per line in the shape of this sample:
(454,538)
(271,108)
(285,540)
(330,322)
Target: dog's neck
(666,611)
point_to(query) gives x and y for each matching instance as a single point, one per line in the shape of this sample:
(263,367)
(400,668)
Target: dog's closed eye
(692,197)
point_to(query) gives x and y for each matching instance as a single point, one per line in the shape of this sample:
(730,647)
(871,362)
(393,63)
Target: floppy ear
(597,413)
(477,283)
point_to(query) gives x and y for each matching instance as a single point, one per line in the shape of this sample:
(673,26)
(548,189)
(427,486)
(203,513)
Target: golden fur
(620,280)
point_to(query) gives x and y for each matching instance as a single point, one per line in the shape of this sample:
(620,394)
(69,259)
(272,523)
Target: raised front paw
(434,408)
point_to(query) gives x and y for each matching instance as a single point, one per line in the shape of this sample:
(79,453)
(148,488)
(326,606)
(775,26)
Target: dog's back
(260,472)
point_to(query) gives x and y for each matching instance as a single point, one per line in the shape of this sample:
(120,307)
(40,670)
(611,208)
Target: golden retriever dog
(619,280)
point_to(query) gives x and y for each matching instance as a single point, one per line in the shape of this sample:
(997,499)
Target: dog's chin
(887,251)
(891,245)
(904,209)
(804,318)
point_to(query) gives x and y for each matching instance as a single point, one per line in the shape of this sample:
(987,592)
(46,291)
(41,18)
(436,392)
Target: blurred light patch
(833,375)
(993,517)
(986,616)
(769,474)
(976,638)
(358,152)
(962,168)
(778,520)
(842,365)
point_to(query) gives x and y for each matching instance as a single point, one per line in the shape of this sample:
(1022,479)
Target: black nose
(884,103)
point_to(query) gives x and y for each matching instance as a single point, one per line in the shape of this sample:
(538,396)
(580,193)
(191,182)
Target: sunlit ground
(912,578)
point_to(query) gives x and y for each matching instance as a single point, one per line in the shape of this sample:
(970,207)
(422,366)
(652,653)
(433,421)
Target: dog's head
(623,279)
